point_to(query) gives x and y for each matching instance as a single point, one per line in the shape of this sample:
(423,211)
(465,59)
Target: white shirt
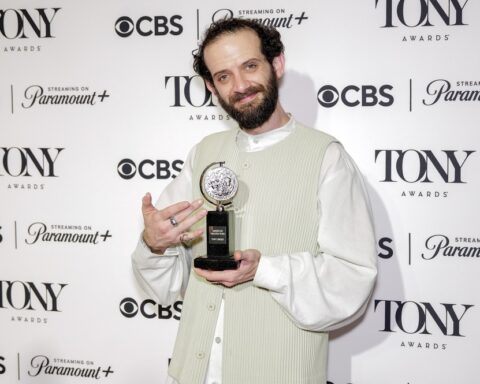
(339,279)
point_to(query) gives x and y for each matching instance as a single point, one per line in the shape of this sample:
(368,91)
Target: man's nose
(241,83)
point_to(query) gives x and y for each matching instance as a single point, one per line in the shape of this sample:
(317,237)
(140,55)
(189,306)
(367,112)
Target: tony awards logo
(219,186)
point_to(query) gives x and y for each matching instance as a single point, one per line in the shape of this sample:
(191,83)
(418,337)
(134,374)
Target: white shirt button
(218,340)
(200,355)
(211,307)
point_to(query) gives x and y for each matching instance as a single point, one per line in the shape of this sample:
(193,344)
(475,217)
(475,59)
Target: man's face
(243,80)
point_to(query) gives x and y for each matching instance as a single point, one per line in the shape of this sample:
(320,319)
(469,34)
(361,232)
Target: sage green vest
(275,212)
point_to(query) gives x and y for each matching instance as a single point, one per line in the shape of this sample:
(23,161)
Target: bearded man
(305,246)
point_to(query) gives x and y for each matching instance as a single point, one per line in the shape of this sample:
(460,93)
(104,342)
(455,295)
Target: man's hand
(169,226)
(249,260)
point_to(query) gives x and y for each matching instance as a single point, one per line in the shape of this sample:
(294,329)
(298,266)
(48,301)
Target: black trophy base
(216,263)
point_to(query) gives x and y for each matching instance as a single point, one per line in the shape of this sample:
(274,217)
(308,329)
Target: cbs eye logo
(126,169)
(128,307)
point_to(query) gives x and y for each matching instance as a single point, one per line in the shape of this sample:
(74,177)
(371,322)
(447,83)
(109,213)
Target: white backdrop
(98,106)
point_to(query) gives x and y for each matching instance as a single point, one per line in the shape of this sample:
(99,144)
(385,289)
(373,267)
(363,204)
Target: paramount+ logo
(149,169)
(149,309)
(149,26)
(329,96)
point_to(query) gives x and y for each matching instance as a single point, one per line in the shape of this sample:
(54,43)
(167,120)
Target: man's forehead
(233,46)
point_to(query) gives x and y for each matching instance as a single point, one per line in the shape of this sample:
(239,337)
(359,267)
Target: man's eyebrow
(256,59)
(219,72)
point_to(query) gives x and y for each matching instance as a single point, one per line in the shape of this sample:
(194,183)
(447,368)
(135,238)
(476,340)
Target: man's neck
(278,119)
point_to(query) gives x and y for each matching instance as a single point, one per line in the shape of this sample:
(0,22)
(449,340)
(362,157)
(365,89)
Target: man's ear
(278,64)
(211,87)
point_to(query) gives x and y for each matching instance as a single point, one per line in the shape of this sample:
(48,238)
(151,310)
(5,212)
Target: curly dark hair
(271,43)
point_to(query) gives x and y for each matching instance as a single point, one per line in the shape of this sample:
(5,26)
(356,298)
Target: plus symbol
(103,95)
(301,18)
(107,371)
(106,235)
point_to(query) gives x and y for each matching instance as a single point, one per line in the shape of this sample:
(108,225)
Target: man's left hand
(245,272)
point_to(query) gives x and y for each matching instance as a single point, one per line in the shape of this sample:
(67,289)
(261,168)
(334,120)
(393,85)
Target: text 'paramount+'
(39,232)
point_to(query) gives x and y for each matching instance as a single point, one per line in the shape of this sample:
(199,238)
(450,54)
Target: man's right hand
(160,232)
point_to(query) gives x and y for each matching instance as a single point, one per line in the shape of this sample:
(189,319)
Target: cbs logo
(147,26)
(351,96)
(149,169)
(150,309)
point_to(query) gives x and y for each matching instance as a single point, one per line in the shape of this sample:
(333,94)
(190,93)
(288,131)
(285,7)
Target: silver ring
(173,221)
(184,238)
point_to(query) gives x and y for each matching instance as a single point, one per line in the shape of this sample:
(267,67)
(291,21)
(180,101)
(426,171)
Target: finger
(214,276)
(186,237)
(173,209)
(226,276)
(237,255)
(147,205)
(185,225)
(194,205)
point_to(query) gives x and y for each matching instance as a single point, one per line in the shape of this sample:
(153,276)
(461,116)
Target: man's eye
(251,66)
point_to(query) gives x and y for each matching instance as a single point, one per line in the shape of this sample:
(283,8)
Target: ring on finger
(184,238)
(173,221)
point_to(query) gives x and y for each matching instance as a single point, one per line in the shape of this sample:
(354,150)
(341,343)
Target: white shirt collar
(253,143)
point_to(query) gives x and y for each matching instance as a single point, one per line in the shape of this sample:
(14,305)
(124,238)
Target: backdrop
(99,104)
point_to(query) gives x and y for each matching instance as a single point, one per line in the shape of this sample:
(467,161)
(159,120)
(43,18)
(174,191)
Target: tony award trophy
(219,186)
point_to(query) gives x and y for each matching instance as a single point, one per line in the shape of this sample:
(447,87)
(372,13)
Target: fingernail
(199,201)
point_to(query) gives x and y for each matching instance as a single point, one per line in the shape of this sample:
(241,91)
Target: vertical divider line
(16,242)
(11,97)
(198,24)
(410,95)
(409,248)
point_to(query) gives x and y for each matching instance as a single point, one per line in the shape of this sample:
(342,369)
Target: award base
(220,242)
(218,263)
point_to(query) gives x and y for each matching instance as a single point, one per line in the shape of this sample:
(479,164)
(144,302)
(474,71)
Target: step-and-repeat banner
(99,104)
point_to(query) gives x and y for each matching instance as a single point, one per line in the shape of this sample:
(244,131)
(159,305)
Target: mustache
(250,90)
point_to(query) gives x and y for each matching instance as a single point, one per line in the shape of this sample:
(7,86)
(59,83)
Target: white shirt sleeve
(165,277)
(326,291)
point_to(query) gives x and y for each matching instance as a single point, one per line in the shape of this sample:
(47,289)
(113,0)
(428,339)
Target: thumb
(147,206)
(237,255)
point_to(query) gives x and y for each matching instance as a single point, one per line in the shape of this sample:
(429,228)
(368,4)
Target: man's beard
(252,115)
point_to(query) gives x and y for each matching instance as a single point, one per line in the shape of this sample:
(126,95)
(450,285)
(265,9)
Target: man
(304,231)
